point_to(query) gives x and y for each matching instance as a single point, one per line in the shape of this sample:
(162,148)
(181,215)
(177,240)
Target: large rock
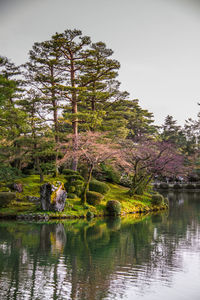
(53,196)
(17,187)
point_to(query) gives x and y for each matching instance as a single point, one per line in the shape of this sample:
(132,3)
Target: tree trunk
(55,118)
(86,187)
(55,114)
(75,119)
(37,162)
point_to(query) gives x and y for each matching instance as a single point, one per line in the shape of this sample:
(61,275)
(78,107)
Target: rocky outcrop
(53,196)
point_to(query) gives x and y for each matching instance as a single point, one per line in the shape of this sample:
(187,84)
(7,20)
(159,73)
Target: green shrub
(110,174)
(94,198)
(177,186)
(6,198)
(78,183)
(69,172)
(164,186)
(71,189)
(71,196)
(190,186)
(197,186)
(157,199)
(73,178)
(74,182)
(113,208)
(98,186)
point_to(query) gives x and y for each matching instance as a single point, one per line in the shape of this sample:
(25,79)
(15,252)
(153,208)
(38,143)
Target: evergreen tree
(12,120)
(125,118)
(39,140)
(45,76)
(71,46)
(102,88)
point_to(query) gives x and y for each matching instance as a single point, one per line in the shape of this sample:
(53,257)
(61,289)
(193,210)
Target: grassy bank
(73,207)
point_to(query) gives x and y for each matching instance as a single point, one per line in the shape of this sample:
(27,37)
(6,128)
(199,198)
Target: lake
(137,257)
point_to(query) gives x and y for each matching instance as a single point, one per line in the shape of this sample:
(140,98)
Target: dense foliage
(63,109)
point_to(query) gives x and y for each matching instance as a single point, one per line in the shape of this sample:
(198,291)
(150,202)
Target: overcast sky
(156,41)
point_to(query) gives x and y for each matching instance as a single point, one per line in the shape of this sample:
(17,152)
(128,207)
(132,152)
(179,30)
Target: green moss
(74,208)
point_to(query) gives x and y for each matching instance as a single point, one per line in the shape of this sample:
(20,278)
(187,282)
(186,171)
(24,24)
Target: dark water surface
(153,257)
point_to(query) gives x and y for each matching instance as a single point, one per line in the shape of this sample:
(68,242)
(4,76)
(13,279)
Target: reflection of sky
(178,283)
(156,41)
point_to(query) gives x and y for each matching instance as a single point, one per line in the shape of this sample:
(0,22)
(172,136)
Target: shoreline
(46,217)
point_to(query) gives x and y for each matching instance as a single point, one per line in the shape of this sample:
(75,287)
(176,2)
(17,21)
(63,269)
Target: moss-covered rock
(113,208)
(94,198)
(6,198)
(53,197)
(98,186)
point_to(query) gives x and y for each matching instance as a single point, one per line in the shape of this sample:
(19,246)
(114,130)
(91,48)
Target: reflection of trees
(83,260)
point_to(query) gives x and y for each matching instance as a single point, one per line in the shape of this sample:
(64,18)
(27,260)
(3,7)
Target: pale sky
(156,42)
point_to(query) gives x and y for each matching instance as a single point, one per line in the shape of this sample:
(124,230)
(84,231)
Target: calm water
(153,257)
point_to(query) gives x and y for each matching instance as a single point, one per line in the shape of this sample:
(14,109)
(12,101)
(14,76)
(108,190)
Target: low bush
(164,186)
(74,182)
(177,186)
(6,198)
(113,208)
(73,178)
(157,199)
(94,198)
(190,186)
(71,196)
(69,172)
(98,186)
(71,189)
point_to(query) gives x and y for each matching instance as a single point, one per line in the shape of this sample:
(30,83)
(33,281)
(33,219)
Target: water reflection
(103,259)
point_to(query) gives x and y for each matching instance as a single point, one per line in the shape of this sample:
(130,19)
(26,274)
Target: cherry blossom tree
(148,158)
(93,148)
